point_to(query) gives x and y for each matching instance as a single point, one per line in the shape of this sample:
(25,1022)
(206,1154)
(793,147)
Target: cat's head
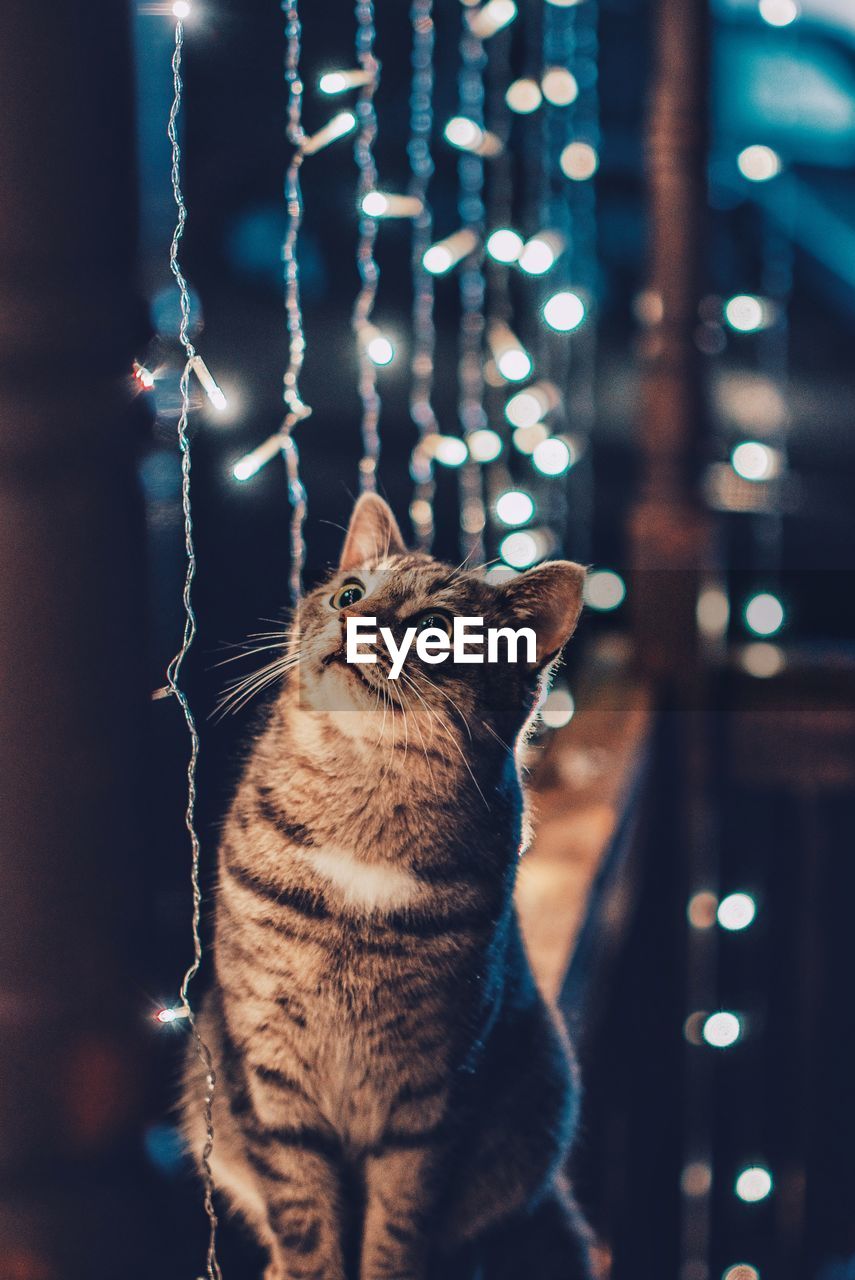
(377,577)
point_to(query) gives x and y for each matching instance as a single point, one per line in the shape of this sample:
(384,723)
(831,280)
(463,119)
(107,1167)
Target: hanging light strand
(470,171)
(424,330)
(369,272)
(173,671)
(295,408)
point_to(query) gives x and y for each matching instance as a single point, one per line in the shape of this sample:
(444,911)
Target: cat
(392,1091)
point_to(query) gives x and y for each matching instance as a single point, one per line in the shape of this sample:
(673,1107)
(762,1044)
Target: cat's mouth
(337,658)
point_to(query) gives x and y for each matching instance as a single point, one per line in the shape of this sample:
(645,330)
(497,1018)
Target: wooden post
(70,633)
(668,531)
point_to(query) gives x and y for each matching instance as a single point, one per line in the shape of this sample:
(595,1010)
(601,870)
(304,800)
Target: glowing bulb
(736,911)
(212,390)
(524,96)
(541,252)
(514,364)
(492,17)
(746,313)
(514,507)
(248,466)
(166,1016)
(144,376)
(526,439)
(701,909)
(741,1271)
(696,1179)
(579,161)
(334,82)
(445,254)
(484,445)
(721,1030)
(763,660)
(753,1184)
(504,245)
(380,350)
(450,451)
(754,461)
(552,457)
(338,127)
(604,590)
(778,13)
(564,312)
(379,204)
(527,407)
(713,612)
(466,135)
(563,4)
(759,164)
(558,708)
(181,9)
(764,614)
(559,87)
(519,550)
(512,359)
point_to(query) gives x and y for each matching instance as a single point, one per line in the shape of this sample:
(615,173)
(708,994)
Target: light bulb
(604,590)
(519,550)
(564,311)
(380,350)
(559,86)
(746,313)
(552,457)
(514,507)
(541,252)
(758,163)
(764,614)
(504,245)
(182,9)
(558,708)
(579,161)
(754,461)
(445,254)
(736,912)
(524,96)
(484,445)
(753,1184)
(778,13)
(721,1030)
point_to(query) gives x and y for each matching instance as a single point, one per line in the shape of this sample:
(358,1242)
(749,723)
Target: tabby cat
(393,1097)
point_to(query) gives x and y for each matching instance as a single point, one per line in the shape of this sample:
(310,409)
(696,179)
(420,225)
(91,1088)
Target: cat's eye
(431,621)
(347,595)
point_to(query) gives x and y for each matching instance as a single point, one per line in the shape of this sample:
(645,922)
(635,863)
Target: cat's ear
(372,534)
(548,599)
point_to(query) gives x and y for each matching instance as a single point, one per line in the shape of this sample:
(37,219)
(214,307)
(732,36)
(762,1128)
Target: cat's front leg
(401,1184)
(303,1196)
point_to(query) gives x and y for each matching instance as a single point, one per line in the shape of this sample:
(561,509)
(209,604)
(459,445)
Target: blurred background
(649,370)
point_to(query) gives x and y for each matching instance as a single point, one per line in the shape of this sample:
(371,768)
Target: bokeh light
(746,313)
(762,660)
(736,911)
(701,910)
(758,163)
(778,13)
(721,1030)
(524,96)
(604,590)
(754,461)
(579,161)
(753,1184)
(514,507)
(558,707)
(505,245)
(484,445)
(552,457)
(564,311)
(764,614)
(741,1271)
(559,87)
(520,550)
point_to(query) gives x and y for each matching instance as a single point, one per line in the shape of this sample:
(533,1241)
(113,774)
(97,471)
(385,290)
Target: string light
(424,331)
(369,271)
(182,10)
(529,406)
(379,349)
(491,18)
(335,82)
(524,96)
(755,461)
(564,311)
(558,707)
(553,456)
(758,163)
(380,204)
(579,161)
(701,910)
(712,612)
(143,376)
(762,661)
(753,1184)
(445,254)
(525,547)
(485,445)
(764,614)
(514,507)
(736,912)
(778,13)
(512,359)
(746,313)
(559,86)
(449,450)
(541,252)
(339,127)
(721,1030)
(174,669)
(604,590)
(166,1016)
(504,245)
(741,1271)
(210,386)
(526,439)
(470,176)
(466,135)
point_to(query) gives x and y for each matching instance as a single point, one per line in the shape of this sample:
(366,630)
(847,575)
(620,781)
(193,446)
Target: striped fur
(392,1088)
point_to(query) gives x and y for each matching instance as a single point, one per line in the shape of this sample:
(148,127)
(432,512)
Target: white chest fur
(366,886)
